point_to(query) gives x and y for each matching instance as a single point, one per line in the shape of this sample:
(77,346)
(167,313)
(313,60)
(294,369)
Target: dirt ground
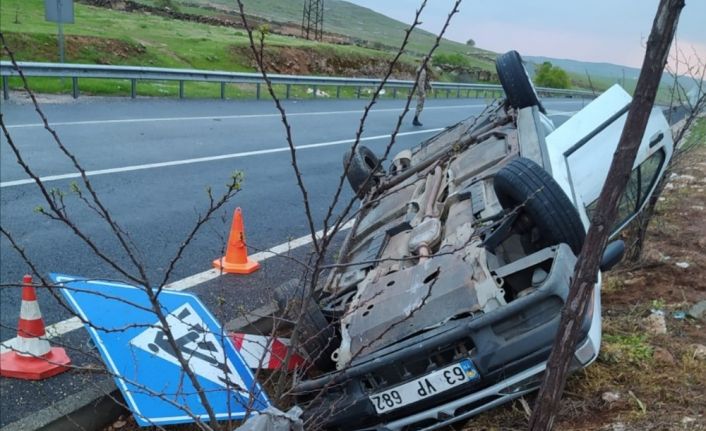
(641,380)
(310,61)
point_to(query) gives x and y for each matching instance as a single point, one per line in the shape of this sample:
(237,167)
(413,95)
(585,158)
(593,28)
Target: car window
(649,170)
(641,181)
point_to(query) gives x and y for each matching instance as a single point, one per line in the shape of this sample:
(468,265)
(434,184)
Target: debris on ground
(699,351)
(610,397)
(698,310)
(655,323)
(272,419)
(663,355)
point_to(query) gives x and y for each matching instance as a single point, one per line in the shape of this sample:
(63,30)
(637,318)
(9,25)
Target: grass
(632,348)
(697,134)
(348,19)
(103,36)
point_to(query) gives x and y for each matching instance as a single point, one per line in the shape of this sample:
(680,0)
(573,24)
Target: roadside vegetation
(104,36)
(551,76)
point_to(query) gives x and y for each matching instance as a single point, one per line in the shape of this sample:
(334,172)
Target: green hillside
(347,19)
(105,36)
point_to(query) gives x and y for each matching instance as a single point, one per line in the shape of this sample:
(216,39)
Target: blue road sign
(135,349)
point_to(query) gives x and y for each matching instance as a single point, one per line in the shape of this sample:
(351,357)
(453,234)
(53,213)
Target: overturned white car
(451,282)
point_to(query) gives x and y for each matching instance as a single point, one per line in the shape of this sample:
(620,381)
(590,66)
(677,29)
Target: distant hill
(606,74)
(348,19)
(603,70)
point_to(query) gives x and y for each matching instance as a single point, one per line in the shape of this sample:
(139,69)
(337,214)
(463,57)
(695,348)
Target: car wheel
(523,183)
(516,82)
(315,332)
(362,167)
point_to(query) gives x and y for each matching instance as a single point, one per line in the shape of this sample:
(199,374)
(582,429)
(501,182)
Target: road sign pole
(60,26)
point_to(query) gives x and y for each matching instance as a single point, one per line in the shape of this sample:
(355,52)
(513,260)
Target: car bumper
(510,363)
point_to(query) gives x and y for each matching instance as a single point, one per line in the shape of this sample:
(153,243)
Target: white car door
(581,151)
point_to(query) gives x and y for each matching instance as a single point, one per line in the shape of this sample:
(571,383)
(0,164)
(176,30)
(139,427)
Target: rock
(634,281)
(686,178)
(662,355)
(618,426)
(654,255)
(682,265)
(701,243)
(655,323)
(686,420)
(699,351)
(119,424)
(610,397)
(698,310)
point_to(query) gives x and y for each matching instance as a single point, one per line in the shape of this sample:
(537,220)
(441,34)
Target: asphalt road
(151,161)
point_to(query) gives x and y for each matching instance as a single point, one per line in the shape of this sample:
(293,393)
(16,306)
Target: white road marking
(227,117)
(204,159)
(69,325)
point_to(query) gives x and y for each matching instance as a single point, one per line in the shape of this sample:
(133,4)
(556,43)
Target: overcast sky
(612,31)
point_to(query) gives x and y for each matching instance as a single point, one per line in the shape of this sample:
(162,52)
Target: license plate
(432,384)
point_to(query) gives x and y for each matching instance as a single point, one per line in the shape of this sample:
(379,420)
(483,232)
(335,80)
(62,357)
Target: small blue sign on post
(138,353)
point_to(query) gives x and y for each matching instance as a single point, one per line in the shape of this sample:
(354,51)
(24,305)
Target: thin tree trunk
(658,44)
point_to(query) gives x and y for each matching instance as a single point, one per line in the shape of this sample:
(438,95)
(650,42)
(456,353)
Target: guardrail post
(338,92)
(394,93)
(181,89)
(5,89)
(74,87)
(448,92)
(357,94)
(133,88)
(289,87)
(458,93)
(316,88)
(223,90)
(257,91)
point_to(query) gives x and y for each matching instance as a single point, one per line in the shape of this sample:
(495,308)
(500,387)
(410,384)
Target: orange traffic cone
(236,260)
(32,358)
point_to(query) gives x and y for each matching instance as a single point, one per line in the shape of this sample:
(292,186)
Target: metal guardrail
(136,73)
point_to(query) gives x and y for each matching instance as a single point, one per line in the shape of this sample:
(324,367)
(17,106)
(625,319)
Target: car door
(581,151)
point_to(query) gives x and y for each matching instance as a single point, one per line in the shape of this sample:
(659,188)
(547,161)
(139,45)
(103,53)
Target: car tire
(515,80)
(315,332)
(524,183)
(361,170)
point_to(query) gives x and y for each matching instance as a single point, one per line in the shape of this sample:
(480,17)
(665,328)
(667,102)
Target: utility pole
(313,19)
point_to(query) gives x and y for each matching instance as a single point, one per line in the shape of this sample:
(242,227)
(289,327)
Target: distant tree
(551,76)
(450,61)
(471,42)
